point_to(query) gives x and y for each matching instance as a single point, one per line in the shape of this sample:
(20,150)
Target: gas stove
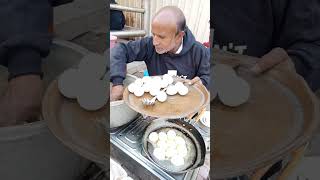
(127,148)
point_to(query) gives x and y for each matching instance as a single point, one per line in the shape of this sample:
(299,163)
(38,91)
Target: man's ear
(181,34)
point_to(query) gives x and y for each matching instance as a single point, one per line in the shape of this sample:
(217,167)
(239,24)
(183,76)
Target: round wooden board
(176,106)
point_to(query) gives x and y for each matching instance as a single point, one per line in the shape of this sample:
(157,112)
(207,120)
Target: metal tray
(281,115)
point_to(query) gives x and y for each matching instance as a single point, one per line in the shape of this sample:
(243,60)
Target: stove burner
(128,140)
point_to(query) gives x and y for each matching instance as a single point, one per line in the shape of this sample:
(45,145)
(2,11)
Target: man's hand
(276,58)
(22,100)
(193,81)
(116,92)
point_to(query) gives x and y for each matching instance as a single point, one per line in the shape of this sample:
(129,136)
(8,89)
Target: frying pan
(194,141)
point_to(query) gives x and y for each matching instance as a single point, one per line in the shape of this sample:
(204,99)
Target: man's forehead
(164,26)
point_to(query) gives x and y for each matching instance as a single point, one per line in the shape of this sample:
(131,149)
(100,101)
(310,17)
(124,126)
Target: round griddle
(280,116)
(80,130)
(174,107)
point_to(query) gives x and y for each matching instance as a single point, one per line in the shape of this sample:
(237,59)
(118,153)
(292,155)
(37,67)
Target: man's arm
(299,34)
(203,71)
(122,54)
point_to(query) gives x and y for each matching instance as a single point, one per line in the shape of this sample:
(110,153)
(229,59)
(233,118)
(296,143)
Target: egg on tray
(161,96)
(67,82)
(139,82)
(92,100)
(139,91)
(183,90)
(171,90)
(168,78)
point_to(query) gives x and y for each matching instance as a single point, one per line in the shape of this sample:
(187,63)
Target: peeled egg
(153,137)
(156,79)
(138,92)
(183,90)
(162,136)
(147,87)
(178,84)
(132,87)
(171,134)
(139,82)
(67,83)
(171,143)
(171,90)
(177,160)
(182,150)
(92,95)
(146,79)
(159,153)
(170,152)
(93,65)
(162,144)
(161,96)
(164,83)
(154,91)
(180,141)
(168,78)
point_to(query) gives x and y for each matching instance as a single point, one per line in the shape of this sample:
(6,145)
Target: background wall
(197,14)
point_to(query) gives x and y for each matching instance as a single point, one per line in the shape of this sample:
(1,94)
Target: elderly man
(172,47)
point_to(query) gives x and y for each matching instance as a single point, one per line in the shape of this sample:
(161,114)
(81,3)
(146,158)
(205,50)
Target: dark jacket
(255,27)
(24,34)
(192,61)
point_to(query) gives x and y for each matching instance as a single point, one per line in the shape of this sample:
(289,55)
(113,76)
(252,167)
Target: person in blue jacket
(171,47)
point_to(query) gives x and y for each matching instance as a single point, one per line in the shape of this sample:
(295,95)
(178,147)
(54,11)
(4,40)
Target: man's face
(165,36)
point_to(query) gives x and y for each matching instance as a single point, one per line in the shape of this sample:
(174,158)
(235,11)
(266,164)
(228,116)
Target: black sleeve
(24,35)
(204,67)
(124,53)
(299,34)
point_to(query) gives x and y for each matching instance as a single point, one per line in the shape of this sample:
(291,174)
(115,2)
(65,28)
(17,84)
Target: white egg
(154,91)
(92,95)
(177,160)
(146,79)
(93,65)
(182,150)
(178,84)
(153,137)
(162,144)
(168,78)
(164,83)
(147,87)
(139,82)
(161,96)
(159,153)
(170,152)
(171,143)
(180,141)
(171,134)
(138,92)
(68,82)
(171,90)
(162,136)
(183,90)
(156,79)
(132,87)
